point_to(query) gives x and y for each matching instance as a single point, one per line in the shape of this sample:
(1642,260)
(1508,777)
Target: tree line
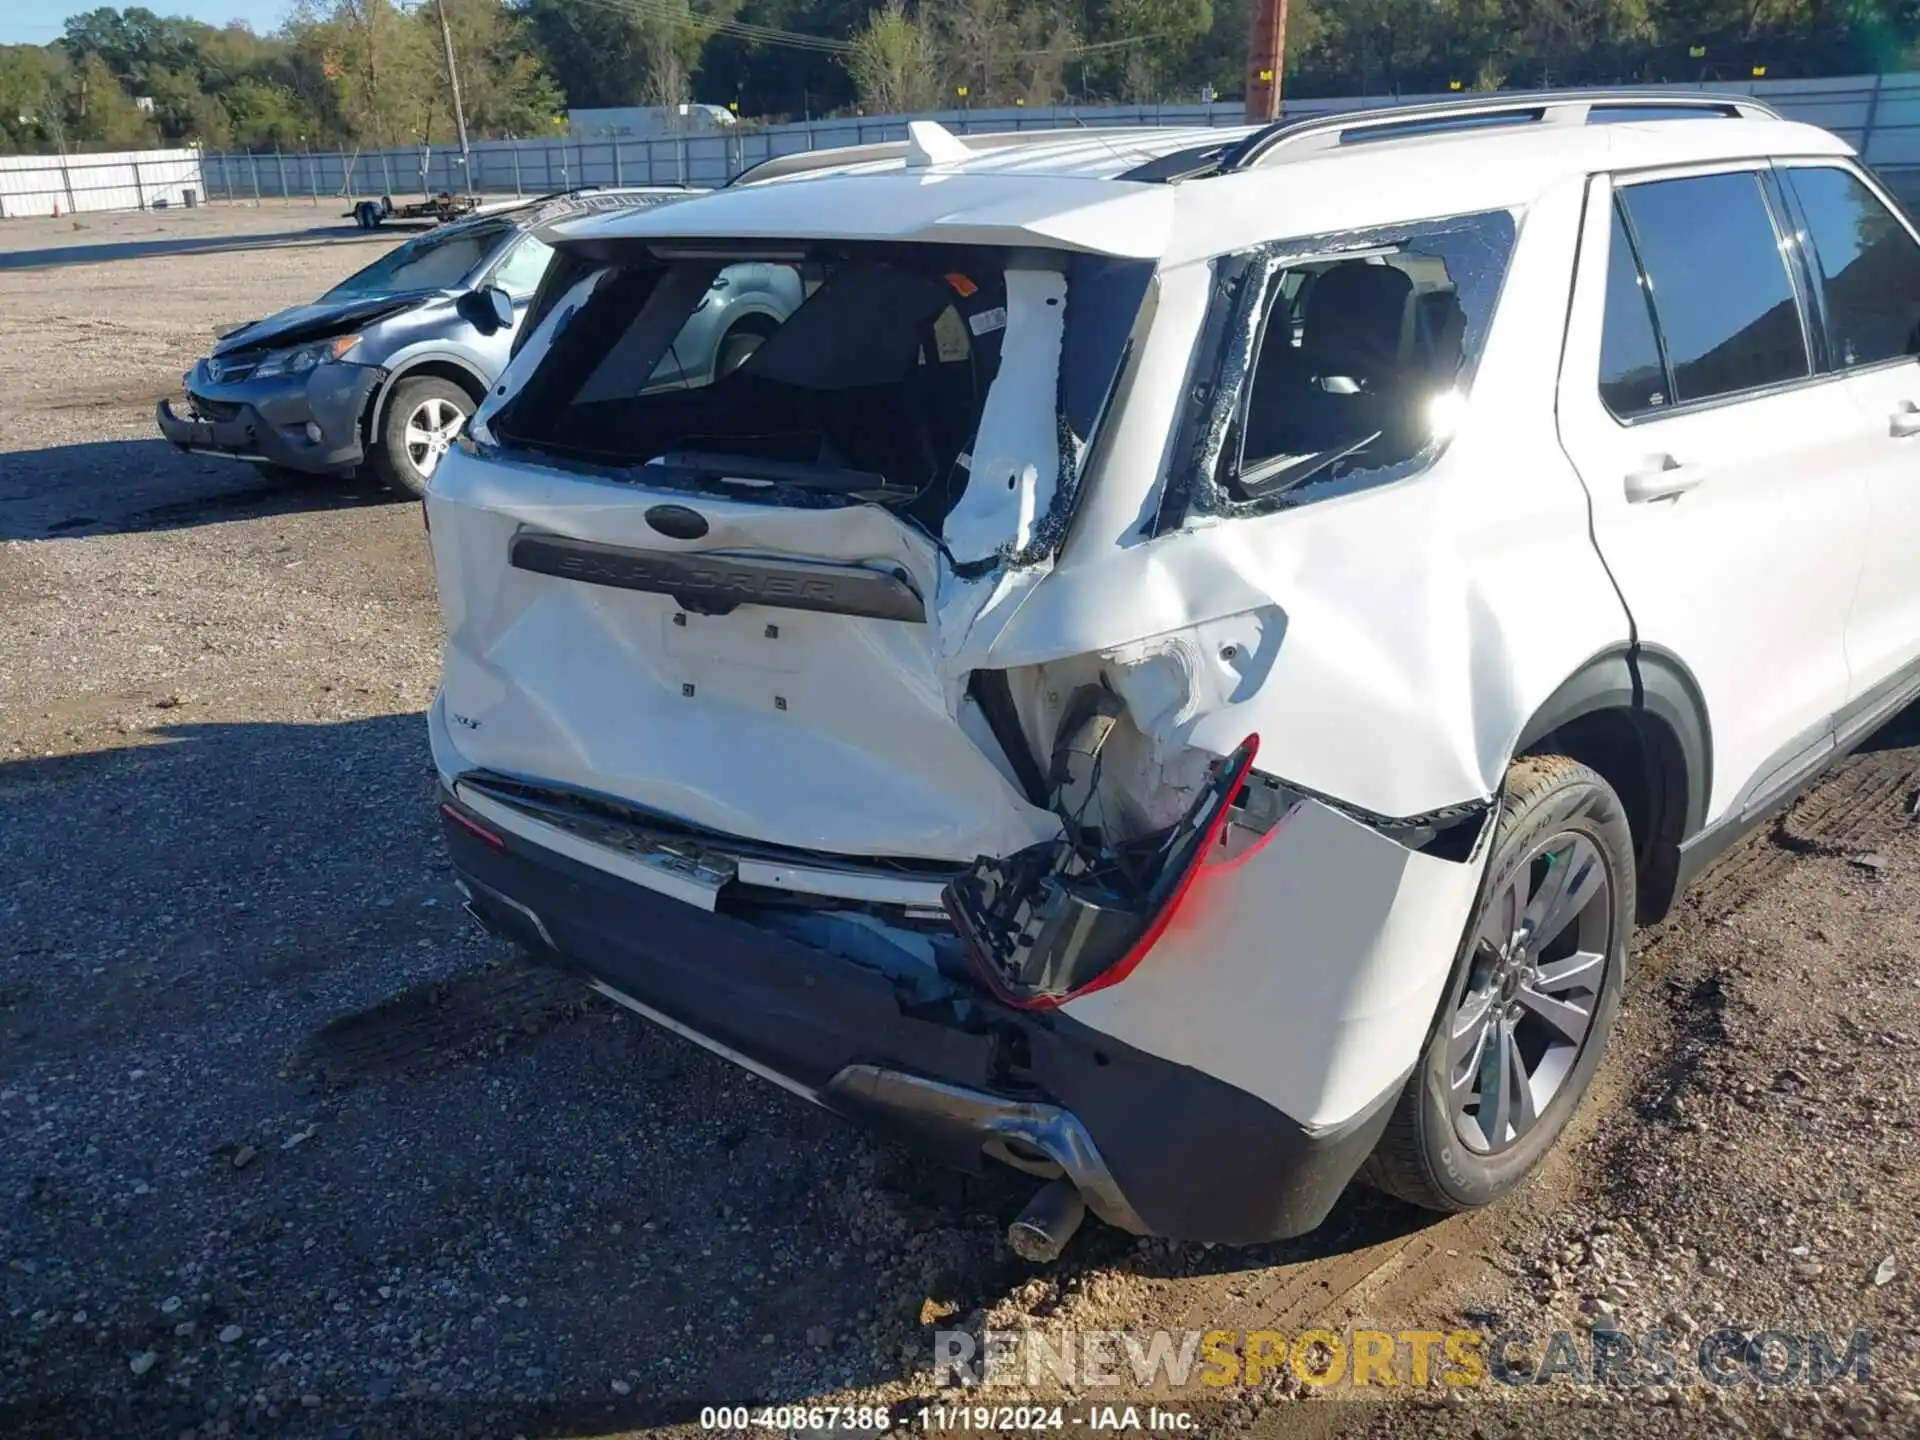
(371,73)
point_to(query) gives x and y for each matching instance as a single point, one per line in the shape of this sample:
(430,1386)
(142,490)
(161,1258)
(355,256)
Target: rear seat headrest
(1355,319)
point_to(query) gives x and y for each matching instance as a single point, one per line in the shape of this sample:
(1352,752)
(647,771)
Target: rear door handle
(1661,477)
(1904,421)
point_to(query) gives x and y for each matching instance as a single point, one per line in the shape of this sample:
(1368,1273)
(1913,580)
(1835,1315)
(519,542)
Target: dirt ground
(290,1149)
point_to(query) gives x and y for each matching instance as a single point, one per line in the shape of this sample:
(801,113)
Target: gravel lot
(291,1149)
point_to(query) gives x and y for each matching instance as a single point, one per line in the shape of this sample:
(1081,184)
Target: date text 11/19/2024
(854,1420)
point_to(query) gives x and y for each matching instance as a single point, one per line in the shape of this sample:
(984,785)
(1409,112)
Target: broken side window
(1334,363)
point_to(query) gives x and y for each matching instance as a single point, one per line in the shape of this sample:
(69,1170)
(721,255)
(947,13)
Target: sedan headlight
(303,358)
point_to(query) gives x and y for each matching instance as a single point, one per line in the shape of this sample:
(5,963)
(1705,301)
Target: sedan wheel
(421,421)
(430,432)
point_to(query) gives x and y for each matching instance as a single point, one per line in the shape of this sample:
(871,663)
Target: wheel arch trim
(410,368)
(1648,681)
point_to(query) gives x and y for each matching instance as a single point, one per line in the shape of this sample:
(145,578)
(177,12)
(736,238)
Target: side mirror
(488,309)
(501,304)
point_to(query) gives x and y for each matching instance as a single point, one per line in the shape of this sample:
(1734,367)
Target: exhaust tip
(1049,1222)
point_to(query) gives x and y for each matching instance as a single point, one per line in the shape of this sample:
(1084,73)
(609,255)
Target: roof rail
(1392,122)
(801,162)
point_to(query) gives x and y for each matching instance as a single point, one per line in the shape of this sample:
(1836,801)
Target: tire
(366,215)
(1440,1150)
(736,348)
(399,458)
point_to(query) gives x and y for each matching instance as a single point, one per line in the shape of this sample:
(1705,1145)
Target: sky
(35,22)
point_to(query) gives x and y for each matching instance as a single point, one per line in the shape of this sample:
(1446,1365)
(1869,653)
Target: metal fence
(130,180)
(1878,114)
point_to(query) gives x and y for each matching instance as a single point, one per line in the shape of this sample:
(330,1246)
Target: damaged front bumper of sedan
(311,421)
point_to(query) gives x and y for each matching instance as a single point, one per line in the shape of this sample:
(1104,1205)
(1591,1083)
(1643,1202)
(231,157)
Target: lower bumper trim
(707,1042)
(1155,1146)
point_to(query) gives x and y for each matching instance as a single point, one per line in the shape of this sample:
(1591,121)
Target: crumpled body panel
(1305,971)
(745,722)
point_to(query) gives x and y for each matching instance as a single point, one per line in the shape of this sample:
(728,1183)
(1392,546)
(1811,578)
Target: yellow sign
(961,91)
(734,106)
(1759,72)
(1698,52)
(1266,77)
(1453,85)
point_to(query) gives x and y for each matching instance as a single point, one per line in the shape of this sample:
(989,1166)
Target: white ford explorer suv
(1180,664)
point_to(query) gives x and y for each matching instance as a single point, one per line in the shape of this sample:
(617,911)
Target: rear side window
(1342,360)
(1868,267)
(1712,259)
(1633,377)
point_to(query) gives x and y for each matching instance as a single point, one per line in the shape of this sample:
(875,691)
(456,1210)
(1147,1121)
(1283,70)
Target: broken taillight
(1056,921)
(473,827)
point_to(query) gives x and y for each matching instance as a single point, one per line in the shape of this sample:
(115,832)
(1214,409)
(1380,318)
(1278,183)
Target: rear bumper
(270,423)
(1156,1146)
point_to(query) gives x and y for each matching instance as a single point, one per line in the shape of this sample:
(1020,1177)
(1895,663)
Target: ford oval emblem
(677,522)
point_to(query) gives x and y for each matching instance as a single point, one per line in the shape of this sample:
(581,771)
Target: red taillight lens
(473,827)
(1047,925)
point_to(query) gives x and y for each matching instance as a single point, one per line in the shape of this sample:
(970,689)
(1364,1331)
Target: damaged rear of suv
(1070,693)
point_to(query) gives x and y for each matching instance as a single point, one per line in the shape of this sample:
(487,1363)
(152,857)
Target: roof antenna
(931,143)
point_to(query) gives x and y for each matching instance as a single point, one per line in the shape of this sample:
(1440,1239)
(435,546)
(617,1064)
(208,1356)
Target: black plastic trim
(1177,165)
(1450,833)
(1644,679)
(990,690)
(1195,1157)
(1796,766)
(477,384)
(1649,684)
(710,584)
(1468,112)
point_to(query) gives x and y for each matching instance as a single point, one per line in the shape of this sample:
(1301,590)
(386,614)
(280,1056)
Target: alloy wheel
(1525,1010)
(431,430)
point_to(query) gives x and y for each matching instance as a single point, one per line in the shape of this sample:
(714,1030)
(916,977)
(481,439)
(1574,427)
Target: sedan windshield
(438,260)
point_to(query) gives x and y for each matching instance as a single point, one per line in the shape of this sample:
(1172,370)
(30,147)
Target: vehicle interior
(1353,352)
(873,386)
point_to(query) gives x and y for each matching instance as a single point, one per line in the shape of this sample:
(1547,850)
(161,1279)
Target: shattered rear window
(868,364)
(1334,363)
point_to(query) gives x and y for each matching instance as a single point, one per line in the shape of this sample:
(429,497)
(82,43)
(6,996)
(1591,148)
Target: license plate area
(751,638)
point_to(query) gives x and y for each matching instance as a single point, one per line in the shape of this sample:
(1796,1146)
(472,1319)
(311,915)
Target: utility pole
(1266,58)
(453,82)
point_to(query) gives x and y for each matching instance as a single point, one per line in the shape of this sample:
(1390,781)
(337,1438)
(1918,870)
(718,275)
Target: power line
(667,11)
(1099,47)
